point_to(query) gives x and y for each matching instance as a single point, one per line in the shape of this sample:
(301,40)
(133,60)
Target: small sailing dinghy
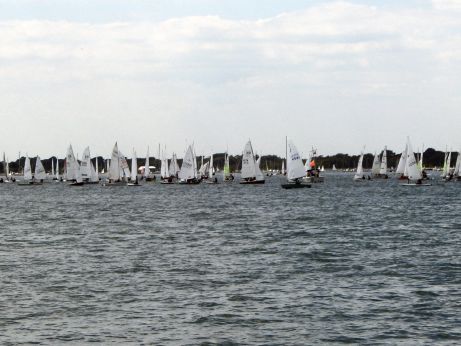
(28,179)
(74,174)
(415,177)
(188,172)
(359,176)
(251,173)
(227,176)
(295,169)
(211,178)
(134,171)
(118,169)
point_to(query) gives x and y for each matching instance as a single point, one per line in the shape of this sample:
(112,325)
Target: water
(342,262)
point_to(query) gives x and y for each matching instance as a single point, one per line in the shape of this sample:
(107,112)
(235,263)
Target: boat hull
(295,186)
(252,182)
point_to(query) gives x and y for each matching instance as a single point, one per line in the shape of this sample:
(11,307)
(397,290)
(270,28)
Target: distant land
(432,158)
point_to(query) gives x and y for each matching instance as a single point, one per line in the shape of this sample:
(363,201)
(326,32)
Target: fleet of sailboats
(77,172)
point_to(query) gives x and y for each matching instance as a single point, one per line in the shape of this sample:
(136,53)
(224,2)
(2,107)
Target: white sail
(188,170)
(85,165)
(40,173)
(97,167)
(146,165)
(412,168)
(359,174)
(115,172)
(173,168)
(72,166)
(383,167)
(204,168)
(283,167)
(248,162)
(27,169)
(295,168)
(376,165)
(210,168)
(333,168)
(57,169)
(124,168)
(259,173)
(94,176)
(402,162)
(6,168)
(226,168)
(134,167)
(457,171)
(164,169)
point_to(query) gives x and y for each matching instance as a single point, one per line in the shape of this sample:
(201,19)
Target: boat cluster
(117,172)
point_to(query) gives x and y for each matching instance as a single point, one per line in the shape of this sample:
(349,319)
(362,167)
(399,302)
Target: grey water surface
(371,262)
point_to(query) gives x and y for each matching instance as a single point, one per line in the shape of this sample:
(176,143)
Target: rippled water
(342,262)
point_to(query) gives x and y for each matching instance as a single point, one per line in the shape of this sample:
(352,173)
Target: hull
(166,182)
(252,182)
(414,184)
(77,184)
(295,186)
(190,182)
(29,183)
(116,183)
(133,184)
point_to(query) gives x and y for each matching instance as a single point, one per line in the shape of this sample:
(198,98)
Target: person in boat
(1,180)
(419,182)
(369,178)
(170,179)
(215,180)
(363,177)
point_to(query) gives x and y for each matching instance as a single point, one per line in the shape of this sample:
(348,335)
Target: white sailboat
(359,175)
(39,173)
(283,168)
(376,166)
(57,178)
(147,173)
(211,179)
(73,168)
(457,171)
(117,169)
(383,166)
(415,176)
(27,176)
(6,170)
(250,174)
(295,168)
(402,164)
(164,169)
(334,167)
(134,171)
(446,173)
(188,172)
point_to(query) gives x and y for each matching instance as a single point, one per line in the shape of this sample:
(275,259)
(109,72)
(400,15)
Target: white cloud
(188,68)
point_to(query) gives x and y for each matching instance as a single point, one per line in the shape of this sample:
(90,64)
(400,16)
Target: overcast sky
(336,75)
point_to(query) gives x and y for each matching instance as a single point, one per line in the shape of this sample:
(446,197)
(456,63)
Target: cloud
(309,58)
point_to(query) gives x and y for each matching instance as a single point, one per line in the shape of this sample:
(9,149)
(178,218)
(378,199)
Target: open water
(340,263)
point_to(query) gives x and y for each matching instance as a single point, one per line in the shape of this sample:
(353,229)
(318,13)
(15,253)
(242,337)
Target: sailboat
(134,171)
(457,171)
(359,176)
(27,176)
(173,169)
(211,179)
(227,176)
(375,169)
(295,168)
(383,165)
(74,174)
(118,168)
(6,171)
(402,164)
(415,177)
(334,167)
(283,168)
(57,178)
(147,174)
(447,175)
(188,172)
(89,174)
(251,173)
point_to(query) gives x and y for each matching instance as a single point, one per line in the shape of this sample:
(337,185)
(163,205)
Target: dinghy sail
(295,168)
(251,174)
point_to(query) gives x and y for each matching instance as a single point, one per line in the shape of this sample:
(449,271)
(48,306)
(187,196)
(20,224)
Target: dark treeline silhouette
(432,158)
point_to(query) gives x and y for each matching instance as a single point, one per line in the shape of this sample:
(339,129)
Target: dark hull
(252,182)
(295,186)
(76,184)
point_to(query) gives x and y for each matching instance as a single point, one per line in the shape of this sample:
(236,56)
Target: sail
(146,165)
(283,167)
(383,167)
(72,166)
(402,162)
(210,168)
(57,168)
(295,167)
(164,170)
(94,176)
(115,172)
(457,171)
(27,169)
(188,170)
(248,162)
(52,167)
(134,167)
(124,168)
(39,170)
(376,165)
(85,165)
(259,173)
(412,168)
(333,168)
(204,168)
(359,174)
(226,169)
(6,169)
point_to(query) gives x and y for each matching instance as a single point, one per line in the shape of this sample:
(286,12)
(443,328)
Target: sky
(334,75)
